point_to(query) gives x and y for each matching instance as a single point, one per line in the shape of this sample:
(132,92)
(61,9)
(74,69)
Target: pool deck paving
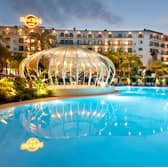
(13,104)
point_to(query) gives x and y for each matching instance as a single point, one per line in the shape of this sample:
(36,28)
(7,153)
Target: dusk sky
(90,14)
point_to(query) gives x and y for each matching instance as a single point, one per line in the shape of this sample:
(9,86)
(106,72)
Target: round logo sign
(31,21)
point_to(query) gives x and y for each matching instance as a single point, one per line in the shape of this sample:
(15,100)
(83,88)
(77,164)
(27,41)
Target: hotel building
(146,44)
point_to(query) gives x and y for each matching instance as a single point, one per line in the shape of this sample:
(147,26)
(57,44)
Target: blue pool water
(125,129)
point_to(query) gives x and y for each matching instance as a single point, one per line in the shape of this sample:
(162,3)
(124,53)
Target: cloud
(66,12)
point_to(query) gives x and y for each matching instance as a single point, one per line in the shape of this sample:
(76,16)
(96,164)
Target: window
(140,35)
(156,44)
(110,35)
(99,42)
(129,50)
(109,42)
(66,35)
(141,42)
(129,42)
(62,34)
(129,35)
(78,42)
(62,42)
(78,35)
(21,48)
(140,49)
(71,35)
(90,36)
(158,37)
(85,42)
(21,40)
(162,45)
(7,46)
(119,42)
(120,35)
(162,52)
(95,42)
(100,50)
(70,42)
(8,39)
(90,42)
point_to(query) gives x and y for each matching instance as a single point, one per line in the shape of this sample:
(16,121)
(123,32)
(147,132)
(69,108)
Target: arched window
(71,34)
(62,34)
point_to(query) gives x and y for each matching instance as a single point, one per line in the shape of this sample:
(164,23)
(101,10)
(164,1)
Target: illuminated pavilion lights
(70,66)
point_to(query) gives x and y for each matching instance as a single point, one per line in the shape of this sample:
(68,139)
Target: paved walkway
(12,104)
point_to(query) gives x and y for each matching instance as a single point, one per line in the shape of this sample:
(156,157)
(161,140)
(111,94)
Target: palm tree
(125,63)
(41,40)
(15,61)
(158,67)
(4,57)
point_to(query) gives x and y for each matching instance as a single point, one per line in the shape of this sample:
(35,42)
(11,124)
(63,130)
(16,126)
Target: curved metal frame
(105,70)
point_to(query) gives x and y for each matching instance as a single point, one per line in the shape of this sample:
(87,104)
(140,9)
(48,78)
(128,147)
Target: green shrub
(7,89)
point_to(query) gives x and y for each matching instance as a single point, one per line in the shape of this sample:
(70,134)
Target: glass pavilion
(69,66)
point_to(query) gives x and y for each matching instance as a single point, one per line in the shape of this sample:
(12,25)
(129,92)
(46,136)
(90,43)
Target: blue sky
(90,14)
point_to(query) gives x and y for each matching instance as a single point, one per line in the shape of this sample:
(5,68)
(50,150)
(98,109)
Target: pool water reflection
(112,130)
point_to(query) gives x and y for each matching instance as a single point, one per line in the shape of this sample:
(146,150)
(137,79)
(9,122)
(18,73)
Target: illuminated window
(66,34)
(140,35)
(99,35)
(129,35)
(78,35)
(110,35)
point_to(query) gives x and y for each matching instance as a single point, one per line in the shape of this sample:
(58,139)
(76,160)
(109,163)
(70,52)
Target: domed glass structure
(69,66)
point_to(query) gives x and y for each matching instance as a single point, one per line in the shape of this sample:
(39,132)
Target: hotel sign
(31,21)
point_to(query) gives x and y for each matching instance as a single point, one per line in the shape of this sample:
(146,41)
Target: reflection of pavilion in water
(58,119)
(63,120)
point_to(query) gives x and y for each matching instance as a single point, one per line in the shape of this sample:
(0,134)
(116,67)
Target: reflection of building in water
(58,119)
(6,115)
(67,120)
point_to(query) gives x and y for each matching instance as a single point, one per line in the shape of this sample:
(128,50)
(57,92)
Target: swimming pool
(125,129)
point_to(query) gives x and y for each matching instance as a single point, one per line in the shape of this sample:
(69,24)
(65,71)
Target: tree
(4,57)
(126,64)
(15,61)
(158,67)
(41,40)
